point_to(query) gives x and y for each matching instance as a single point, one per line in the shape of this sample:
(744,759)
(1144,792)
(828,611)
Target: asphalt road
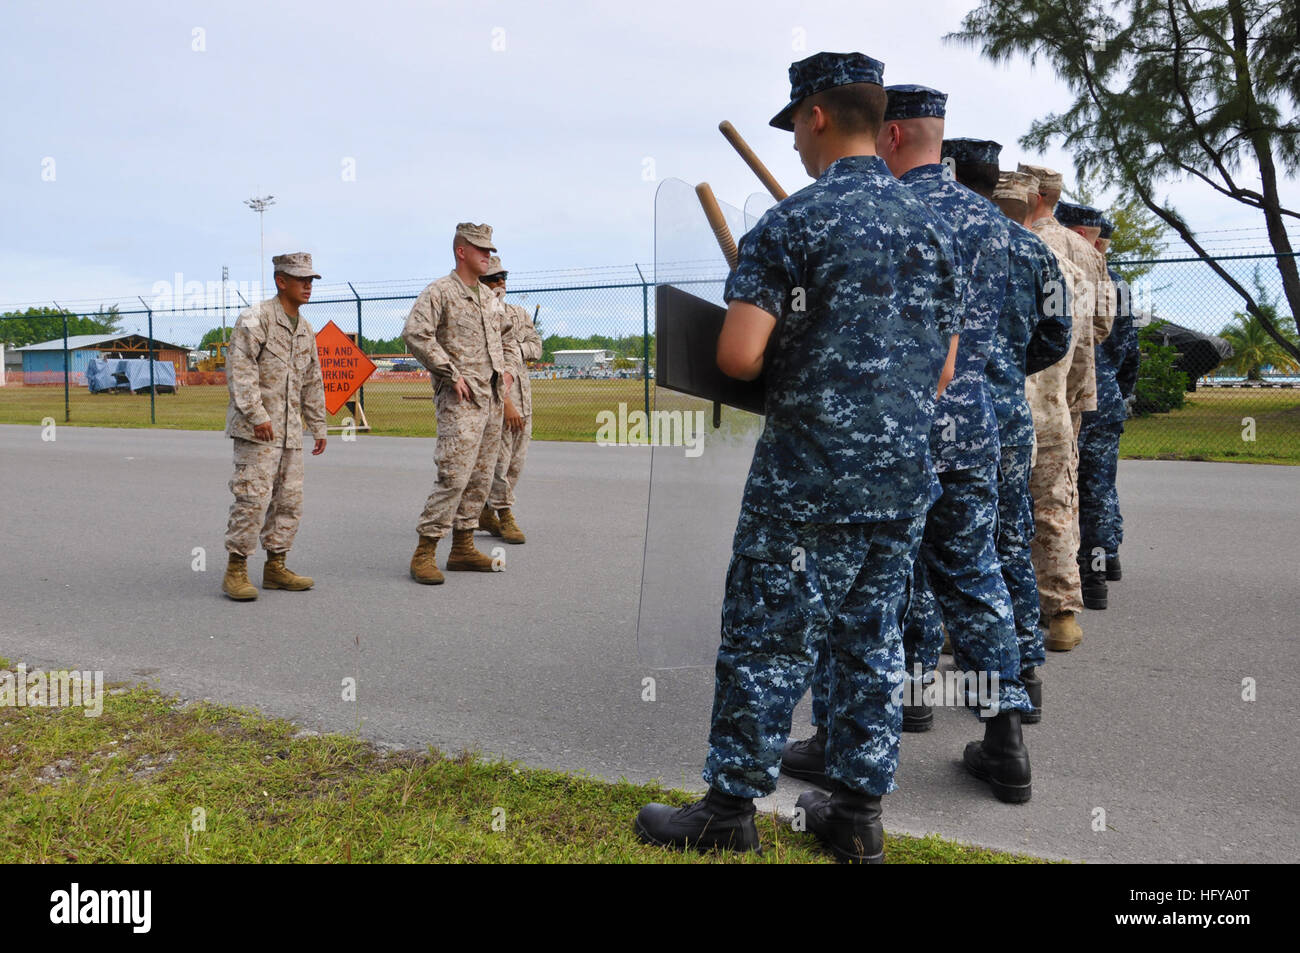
(539,663)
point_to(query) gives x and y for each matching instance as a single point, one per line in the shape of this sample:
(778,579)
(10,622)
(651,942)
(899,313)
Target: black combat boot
(1113,571)
(846,821)
(1093,583)
(806,760)
(717,820)
(918,717)
(1033,683)
(1001,758)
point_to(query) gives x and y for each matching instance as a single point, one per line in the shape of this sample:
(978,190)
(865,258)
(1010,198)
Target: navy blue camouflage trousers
(797,593)
(1015,532)
(958,581)
(1100,524)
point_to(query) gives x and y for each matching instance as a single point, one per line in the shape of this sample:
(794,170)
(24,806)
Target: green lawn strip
(1215,425)
(1210,427)
(125,786)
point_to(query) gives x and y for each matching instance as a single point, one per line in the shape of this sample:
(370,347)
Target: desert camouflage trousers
(795,590)
(267,486)
(510,464)
(1055,549)
(469,438)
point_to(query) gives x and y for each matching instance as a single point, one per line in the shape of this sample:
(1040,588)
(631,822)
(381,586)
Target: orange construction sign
(343,366)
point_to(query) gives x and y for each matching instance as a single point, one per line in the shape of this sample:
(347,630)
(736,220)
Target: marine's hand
(263,432)
(514,420)
(462,390)
(319,448)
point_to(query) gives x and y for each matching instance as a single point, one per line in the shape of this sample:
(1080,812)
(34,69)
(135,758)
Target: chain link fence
(1212,383)
(598,353)
(597,328)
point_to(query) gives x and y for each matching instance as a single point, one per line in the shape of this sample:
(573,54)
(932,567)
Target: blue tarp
(133,374)
(99,378)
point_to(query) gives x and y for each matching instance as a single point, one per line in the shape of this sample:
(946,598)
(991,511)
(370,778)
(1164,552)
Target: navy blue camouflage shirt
(863,283)
(1031,335)
(965,431)
(1117,359)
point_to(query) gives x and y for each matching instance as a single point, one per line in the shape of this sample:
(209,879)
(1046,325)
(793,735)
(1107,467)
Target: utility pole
(260,205)
(225,273)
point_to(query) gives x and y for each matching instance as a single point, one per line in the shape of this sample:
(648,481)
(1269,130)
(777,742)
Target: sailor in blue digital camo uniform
(958,560)
(857,284)
(1033,333)
(957,579)
(1101,527)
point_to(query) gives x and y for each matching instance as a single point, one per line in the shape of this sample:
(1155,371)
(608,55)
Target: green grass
(125,787)
(1210,427)
(562,409)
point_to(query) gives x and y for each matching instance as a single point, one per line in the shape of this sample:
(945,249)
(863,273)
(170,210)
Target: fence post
(153,419)
(67,401)
(645,339)
(361,391)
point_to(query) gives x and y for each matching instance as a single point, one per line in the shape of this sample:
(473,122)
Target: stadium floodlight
(260,205)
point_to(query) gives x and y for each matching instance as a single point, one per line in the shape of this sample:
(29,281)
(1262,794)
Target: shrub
(1161,387)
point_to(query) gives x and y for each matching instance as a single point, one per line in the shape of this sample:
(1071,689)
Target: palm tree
(1252,347)
(1253,350)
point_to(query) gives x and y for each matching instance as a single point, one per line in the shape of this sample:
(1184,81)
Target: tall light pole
(260,205)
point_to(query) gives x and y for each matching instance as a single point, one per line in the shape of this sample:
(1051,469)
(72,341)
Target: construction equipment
(216,359)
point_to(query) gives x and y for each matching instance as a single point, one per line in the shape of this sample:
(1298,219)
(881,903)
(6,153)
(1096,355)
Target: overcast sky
(133,131)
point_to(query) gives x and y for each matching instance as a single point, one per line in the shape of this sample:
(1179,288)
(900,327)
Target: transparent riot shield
(755,206)
(696,484)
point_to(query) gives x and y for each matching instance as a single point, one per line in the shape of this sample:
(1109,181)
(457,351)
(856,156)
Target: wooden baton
(719,224)
(752,160)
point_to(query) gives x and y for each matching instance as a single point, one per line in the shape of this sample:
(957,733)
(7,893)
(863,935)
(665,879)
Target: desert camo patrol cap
(480,236)
(1048,179)
(297,264)
(1013,185)
(1022,179)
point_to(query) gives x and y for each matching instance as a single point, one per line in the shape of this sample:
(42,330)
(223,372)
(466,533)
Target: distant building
(43,363)
(13,362)
(586,359)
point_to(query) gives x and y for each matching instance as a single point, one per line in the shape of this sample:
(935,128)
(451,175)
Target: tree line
(37,325)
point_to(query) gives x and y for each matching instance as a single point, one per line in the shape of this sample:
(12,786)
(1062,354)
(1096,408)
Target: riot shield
(755,206)
(695,484)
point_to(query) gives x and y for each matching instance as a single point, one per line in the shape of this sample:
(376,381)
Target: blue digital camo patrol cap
(826,71)
(909,101)
(1107,227)
(963,151)
(1072,216)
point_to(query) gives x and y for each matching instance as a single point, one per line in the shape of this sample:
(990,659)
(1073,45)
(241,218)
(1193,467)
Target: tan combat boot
(463,554)
(424,564)
(510,530)
(487,521)
(275,575)
(236,584)
(1063,633)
